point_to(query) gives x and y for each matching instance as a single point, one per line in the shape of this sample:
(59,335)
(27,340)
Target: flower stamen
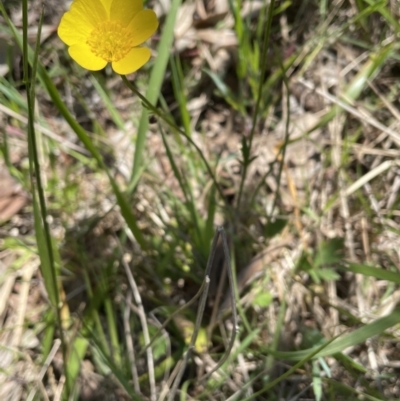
(110,41)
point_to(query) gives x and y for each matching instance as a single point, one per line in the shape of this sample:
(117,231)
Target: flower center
(110,41)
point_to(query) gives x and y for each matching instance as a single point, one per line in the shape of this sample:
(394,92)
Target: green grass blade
(42,229)
(179,91)
(247,144)
(367,73)
(47,268)
(116,117)
(356,337)
(120,376)
(76,355)
(311,355)
(153,90)
(372,271)
(185,187)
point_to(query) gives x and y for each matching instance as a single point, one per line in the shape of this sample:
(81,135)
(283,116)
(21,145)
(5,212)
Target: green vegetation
(277,121)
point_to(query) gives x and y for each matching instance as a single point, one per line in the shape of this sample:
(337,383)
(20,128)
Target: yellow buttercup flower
(108,31)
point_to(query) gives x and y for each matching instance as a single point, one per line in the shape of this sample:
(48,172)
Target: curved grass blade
(356,337)
(154,87)
(371,271)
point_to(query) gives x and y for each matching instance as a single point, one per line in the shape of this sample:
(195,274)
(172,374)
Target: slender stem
(145,328)
(247,146)
(221,231)
(199,316)
(282,151)
(35,173)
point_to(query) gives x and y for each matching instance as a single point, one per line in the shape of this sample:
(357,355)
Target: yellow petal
(124,11)
(107,5)
(72,30)
(89,12)
(82,54)
(135,59)
(143,26)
